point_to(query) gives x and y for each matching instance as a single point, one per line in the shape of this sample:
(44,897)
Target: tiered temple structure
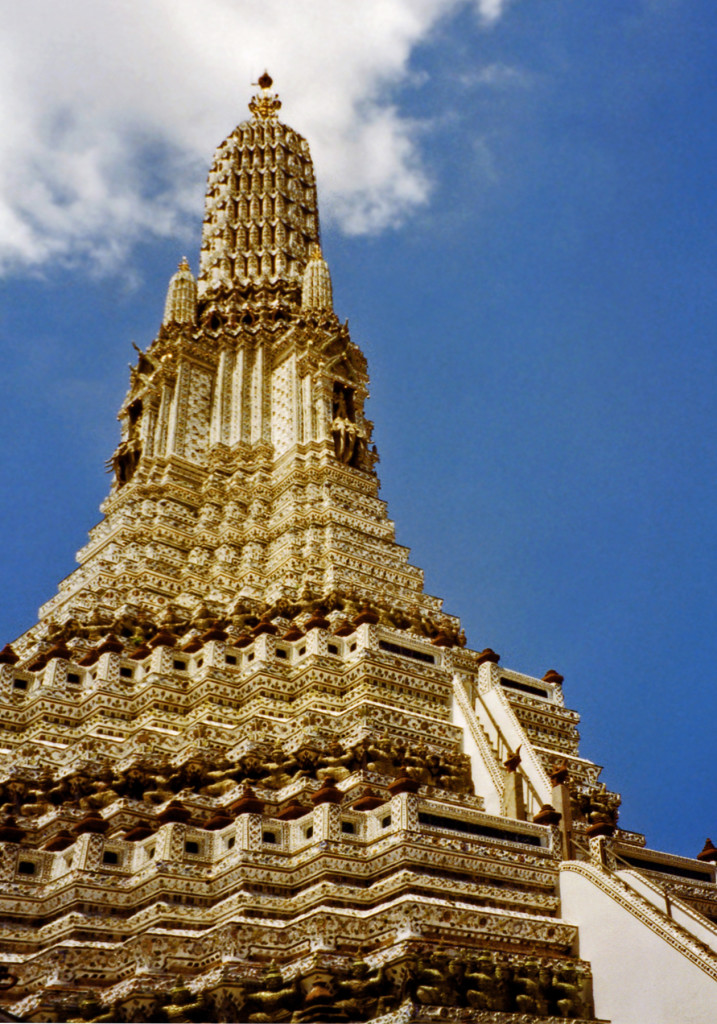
(250,771)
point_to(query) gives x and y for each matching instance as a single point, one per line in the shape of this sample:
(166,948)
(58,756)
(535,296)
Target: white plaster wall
(680,912)
(481,776)
(638,978)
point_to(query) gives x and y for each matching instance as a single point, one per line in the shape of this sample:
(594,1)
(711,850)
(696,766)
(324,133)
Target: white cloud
(491,10)
(495,75)
(111,112)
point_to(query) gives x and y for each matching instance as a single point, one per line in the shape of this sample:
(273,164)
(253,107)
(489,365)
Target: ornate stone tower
(245,476)
(250,771)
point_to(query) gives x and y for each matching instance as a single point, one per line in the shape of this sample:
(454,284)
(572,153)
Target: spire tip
(266,104)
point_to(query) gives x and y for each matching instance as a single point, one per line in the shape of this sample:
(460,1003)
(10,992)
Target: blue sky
(523,242)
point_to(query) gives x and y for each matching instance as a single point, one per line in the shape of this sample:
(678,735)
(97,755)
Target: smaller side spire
(181,304)
(316,286)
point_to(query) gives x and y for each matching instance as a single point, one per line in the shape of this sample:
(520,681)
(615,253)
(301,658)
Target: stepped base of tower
(310,826)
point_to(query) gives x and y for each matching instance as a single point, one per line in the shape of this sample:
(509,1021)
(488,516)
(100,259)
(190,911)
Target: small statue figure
(379,756)
(102,792)
(307,759)
(456,982)
(275,1001)
(280,767)
(133,783)
(59,792)
(598,806)
(529,997)
(434,987)
(191,775)
(36,799)
(125,460)
(565,995)
(451,772)
(251,767)
(185,1007)
(349,437)
(218,783)
(158,791)
(358,995)
(12,794)
(333,763)
(319,1005)
(409,982)
(502,979)
(94,1012)
(227,1007)
(480,989)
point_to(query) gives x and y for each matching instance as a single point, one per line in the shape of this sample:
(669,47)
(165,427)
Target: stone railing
(601,871)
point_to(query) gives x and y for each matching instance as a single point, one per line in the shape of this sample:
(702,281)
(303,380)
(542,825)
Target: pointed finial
(265,105)
(708,851)
(8,656)
(513,761)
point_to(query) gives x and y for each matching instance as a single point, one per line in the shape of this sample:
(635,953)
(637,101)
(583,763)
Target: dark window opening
(230,659)
(406,652)
(20,684)
(524,687)
(668,869)
(72,677)
(348,827)
(126,672)
(474,829)
(179,665)
(134,411)
(26,867)
(191,847)
(268,837)
(110,857)
(333,649)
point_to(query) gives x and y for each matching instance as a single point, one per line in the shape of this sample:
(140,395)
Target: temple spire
(181,304)
(261,212)
(316,287)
